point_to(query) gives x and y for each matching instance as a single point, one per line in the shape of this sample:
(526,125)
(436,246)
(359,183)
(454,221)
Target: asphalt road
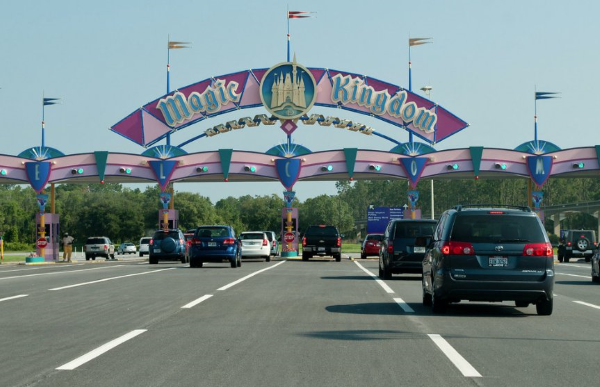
(283,323)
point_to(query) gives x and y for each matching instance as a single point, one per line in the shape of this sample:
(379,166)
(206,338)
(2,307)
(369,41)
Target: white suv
(144,246)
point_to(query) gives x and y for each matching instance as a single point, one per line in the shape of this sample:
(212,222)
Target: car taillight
(274,243)
(339,242)
(458,248)
(180,241)
(105,247)
(538,250)
(229,241)
(196,241)
(391,248)
(265,242)
(568,243)
(304,241)
(151,242)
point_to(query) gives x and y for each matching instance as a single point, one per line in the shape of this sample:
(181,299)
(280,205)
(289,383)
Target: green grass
(350,247)
(14,258)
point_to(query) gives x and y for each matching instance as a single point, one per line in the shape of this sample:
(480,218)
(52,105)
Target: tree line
(126,214)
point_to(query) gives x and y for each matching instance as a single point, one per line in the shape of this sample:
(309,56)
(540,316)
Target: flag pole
(168,63)
(535,132)
(288,32)
(43,118)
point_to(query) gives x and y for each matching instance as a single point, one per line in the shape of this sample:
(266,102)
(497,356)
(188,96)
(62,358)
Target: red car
(370,245)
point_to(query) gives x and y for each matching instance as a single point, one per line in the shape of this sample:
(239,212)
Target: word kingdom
(347,89)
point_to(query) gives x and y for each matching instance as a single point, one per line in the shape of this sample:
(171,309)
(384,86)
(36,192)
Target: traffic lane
(496,337)
(67,323)
(299,324)
(574,282)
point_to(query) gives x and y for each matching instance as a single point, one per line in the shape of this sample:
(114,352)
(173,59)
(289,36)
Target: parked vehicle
(98,247)
(489,253)
(215,244)
(167,245)
(126,248)
(398,252)
(273,242)
(144,246)
(370,246)
(322,240)
(596,266)
(577,243)
(255,245)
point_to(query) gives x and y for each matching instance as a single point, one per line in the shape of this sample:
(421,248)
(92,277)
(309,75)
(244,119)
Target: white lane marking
(576,275)
(377,279)
(196,302)
(13,297)
(100,350)
(582,303)
(459,362)
(248,276)
(583,267)
(109,279)
(57,272)
(405,307)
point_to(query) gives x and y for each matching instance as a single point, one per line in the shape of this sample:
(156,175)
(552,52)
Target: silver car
(255,245)
(126,248)
(144,246)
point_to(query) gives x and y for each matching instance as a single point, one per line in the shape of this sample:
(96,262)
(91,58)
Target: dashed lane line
(100,350)
(13,297)
(575,275)
(196,302)
(587,304)
(248,276)
(459,362)
(405,307)
(110,279)
(376,278)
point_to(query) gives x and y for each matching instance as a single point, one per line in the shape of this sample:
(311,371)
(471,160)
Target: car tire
(141,254)
(338,257)
(387,273)
(544,308)
(112,256)
(268,258)
(304,257)
(565,259)
(234,263)
(183,260)
(426,296)
(87,257)
(152,260)
(438,305)
(583,244)
(93,258)
(380,272)
(588,259)
(193,263)
(521,304)
(595,279)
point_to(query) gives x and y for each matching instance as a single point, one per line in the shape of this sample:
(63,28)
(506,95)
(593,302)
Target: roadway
(283,323)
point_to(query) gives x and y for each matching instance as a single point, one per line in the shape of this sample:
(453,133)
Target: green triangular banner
(101,158)
(350,154)
(476,153)
(225,156)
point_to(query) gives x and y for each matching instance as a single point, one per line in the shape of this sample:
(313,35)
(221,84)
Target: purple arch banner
(335,89)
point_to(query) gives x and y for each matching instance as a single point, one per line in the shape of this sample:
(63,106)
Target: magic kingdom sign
(288,91)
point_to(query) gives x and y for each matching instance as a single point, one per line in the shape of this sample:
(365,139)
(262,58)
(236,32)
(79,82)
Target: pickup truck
(322,240)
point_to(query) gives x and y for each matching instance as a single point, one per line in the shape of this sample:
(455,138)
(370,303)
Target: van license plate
(157,250)
(498,261)
(212,244)
(321,248)
(419,249)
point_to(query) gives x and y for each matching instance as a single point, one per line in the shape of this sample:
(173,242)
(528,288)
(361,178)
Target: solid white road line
(459,362)
(576,275)
(405,307)
(13,297)
(376,278)
(57,272)
(248,276)
(109,279)
(578,302)
(100,350)
(196,302)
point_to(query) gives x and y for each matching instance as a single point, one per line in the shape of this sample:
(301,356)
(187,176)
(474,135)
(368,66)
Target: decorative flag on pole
(172,45)
(414,42)
(294,15)
(45,102)
(540,95)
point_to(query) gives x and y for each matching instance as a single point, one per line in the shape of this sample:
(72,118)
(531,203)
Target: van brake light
(391,248)
(538,250)
(458,248)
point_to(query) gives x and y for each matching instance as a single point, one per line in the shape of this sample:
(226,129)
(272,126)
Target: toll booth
(52,228)
(173,218)
(289,232)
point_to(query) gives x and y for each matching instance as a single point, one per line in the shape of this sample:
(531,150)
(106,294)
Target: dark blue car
(215,244)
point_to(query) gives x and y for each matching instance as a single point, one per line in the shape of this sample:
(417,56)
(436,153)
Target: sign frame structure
(379,217)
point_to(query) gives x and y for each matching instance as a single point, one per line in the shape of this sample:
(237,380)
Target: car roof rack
(460,207)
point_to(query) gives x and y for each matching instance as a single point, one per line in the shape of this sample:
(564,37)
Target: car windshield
(497,228)
(95,241)
(253,235)
(374,237)
(413,230)
(145,241)
(212,232)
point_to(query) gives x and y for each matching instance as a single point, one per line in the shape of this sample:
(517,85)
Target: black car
(167,245)
(489,253)
(398,252)
(322,240)
(577,243)
(596,266)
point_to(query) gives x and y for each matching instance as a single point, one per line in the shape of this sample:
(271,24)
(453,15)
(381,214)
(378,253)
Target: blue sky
(106,58)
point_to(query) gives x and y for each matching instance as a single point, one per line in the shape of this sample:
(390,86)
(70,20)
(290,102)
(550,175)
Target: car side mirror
(423,241)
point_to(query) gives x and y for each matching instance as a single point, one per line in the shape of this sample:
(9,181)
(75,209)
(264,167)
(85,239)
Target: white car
(144,246)
(126,248)
(255,244)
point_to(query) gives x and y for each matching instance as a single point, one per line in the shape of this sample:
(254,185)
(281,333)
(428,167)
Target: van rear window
(413,230)
(499,228)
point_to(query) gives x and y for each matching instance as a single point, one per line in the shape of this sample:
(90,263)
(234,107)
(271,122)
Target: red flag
(298,14)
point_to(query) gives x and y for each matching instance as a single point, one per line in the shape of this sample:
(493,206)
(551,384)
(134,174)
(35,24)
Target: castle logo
(288,90)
